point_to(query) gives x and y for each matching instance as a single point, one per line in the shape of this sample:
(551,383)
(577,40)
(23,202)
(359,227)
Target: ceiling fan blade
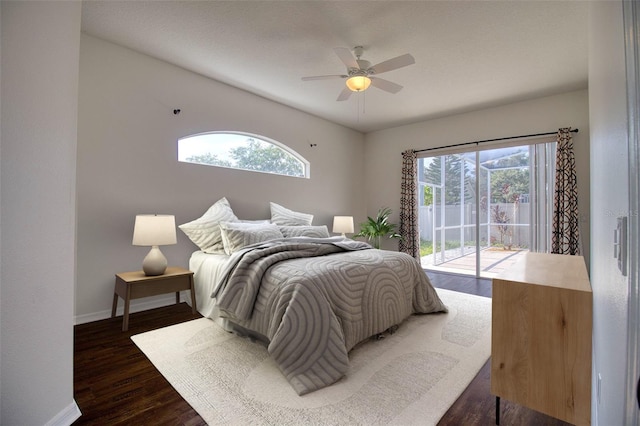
(346,57)
(393,63)
(344,95)
(385,85)
(324,77)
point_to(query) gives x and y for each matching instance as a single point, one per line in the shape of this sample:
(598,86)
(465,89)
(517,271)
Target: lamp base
(154,263)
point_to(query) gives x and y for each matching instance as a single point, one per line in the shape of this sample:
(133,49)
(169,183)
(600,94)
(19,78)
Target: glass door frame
(546,170)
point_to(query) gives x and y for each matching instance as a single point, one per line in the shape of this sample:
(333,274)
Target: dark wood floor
(115,384)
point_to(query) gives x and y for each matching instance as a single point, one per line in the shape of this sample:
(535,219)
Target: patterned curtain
(409,233)
(565,237)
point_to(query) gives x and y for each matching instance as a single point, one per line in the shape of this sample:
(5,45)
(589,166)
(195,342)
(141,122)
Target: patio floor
(492,262)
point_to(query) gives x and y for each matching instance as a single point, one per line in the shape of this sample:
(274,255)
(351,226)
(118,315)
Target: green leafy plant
(376,228)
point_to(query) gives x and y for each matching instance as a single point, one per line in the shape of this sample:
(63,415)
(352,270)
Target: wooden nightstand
(134,285)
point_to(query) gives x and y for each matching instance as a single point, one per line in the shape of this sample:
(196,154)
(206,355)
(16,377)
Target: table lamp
(342,224)
(154,230)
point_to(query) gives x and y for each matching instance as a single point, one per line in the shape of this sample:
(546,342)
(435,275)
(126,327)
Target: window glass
(482,210)
(242,151)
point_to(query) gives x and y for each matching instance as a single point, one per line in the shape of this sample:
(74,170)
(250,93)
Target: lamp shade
(154,230)
(358,83)
(342,224)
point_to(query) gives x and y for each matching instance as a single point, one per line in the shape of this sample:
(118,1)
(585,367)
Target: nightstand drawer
(154,287)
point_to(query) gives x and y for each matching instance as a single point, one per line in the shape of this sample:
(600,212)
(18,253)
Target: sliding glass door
(476,208)
(447,211)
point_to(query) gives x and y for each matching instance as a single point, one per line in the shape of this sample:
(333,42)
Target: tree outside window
(242,151)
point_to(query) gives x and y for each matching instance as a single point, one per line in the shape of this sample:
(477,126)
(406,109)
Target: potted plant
(376,228)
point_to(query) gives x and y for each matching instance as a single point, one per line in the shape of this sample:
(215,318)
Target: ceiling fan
(361,74)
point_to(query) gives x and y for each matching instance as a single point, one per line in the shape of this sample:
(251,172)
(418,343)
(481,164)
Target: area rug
(408,378)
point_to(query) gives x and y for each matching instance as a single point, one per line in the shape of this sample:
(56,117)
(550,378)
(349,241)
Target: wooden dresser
(541,336)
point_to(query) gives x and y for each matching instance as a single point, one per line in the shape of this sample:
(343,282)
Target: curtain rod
(494,140)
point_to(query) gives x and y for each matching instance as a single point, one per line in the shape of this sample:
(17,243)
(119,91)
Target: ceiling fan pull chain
(364,101)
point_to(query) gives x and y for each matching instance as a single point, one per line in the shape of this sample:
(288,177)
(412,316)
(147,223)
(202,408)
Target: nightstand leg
(125,317)
(177,297)
(193,296)
(497,410)
(115,305)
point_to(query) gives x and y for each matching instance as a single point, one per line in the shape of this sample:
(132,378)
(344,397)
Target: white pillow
(236,235)
(284,217)
(205,231)
(305,231)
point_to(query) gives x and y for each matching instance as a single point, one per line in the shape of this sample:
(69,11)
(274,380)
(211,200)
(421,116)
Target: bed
(310,299)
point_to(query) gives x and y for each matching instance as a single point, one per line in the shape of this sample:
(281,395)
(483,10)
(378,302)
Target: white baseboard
(135,306)
(67,416)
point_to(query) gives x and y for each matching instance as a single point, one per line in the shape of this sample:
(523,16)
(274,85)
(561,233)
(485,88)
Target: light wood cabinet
(541,336)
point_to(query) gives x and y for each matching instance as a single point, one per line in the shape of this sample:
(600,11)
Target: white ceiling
(469,55)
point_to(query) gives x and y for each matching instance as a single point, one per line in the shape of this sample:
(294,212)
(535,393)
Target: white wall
(383,148)
(127,162)
(609,188)
(39,85)
(0,209)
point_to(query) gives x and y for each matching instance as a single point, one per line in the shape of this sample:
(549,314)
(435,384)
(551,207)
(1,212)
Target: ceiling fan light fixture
(358,83)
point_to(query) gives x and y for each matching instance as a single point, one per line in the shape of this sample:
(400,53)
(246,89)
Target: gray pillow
(282,216)
(320,231)
(205,231)
(237,235)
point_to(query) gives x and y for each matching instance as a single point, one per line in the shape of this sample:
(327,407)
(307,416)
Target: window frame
(306,165)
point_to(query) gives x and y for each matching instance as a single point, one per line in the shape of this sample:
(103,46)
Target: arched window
(244,151)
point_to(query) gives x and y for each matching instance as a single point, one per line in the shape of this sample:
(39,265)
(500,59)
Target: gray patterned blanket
(315,300)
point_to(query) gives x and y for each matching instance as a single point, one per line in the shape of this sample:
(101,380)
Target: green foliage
(256,156)
(508,184)
(516,178)
(515,160)
(376,228)
(428,195)
(426,247)
(266,158)
(454,166)
(210,159)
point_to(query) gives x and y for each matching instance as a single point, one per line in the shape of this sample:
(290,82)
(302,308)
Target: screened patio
(477,208)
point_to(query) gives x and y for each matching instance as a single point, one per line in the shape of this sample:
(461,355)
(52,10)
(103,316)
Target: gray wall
(384,148)
(127,163)
(39,85)
(609,183)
